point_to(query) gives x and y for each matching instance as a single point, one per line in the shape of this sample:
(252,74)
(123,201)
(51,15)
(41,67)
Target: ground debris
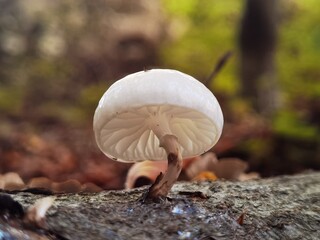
(277,208)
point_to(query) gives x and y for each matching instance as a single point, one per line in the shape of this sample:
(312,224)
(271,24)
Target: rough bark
(285,207)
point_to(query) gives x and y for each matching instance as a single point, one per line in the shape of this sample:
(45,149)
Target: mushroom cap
(169,98)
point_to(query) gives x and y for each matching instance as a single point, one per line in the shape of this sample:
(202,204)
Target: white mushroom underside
(134,140)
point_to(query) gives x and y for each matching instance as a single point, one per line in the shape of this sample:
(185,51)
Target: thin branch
(221,62)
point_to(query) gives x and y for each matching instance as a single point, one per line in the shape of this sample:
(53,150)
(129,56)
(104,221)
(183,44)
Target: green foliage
(41,75)
(299,49)
(259,148)
(90,96)
(290,124)
(298,58)
(10,100)
(55,81)
(202,32)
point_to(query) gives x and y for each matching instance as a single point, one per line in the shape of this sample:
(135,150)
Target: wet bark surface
(285,207)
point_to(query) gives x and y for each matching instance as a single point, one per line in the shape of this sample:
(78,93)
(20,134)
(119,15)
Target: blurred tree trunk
(257,43)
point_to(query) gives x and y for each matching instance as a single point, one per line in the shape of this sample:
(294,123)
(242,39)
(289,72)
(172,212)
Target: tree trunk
(285,207)
(257,42)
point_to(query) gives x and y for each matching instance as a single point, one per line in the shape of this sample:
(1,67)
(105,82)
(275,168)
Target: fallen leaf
(229,168)
(35,215)
(40,182)
(69,186)
(90,188)
(12,181)
(240,219)
(147,171)
(206,175)
(201,164)
(249,176)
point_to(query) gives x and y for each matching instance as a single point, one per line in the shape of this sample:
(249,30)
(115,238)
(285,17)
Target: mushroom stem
(164,183)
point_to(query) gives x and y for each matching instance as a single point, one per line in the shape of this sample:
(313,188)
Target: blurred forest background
(57,58)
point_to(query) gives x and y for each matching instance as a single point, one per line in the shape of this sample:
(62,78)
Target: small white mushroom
(153,108)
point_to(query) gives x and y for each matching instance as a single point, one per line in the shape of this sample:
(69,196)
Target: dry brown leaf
(206,175)
(240,219)
(144,173)
(206,167)
(12,181)
(40,182)
(91,188)
(34,143)
(200,164)
(35,214)
(69,186)
(249,176)
(229,168)
(147,169)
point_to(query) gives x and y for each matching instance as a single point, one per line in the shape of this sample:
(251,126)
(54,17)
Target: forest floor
(284,207)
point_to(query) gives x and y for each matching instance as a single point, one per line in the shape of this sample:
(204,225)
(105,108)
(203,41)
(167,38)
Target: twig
(221,62)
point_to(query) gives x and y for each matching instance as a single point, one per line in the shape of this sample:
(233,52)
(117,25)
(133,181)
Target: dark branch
(221,62)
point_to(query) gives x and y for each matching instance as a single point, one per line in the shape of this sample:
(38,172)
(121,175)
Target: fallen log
(285,207)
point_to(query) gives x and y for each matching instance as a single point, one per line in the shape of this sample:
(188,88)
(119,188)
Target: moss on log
(285,207)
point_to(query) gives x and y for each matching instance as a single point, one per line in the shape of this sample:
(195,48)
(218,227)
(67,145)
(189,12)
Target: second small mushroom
(154,115)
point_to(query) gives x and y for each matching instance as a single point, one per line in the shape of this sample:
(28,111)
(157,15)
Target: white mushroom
(153,108)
